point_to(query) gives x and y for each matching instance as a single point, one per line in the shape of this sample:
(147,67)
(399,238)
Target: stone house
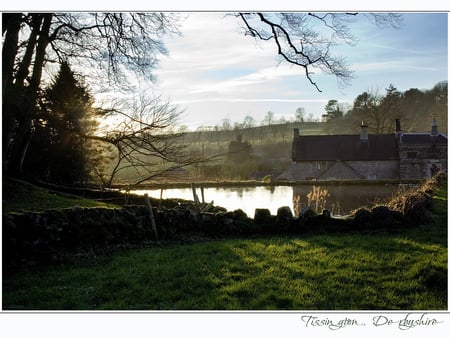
(422,153)
(367,156)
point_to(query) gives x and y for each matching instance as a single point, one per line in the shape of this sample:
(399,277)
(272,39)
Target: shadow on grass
(346,272)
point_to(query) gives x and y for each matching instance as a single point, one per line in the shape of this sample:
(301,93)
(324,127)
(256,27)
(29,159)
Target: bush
(414,204)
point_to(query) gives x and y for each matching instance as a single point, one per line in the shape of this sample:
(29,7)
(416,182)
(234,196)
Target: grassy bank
(19,196)
(406,270)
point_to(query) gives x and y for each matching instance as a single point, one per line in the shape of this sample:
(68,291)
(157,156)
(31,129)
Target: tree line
(415,108)
(250,122)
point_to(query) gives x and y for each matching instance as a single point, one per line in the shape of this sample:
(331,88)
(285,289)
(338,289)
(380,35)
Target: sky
(214,72)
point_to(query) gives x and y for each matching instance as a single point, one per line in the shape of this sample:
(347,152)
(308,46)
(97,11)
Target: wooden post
(196,201)
(160,198)
(152,217)
(202,190)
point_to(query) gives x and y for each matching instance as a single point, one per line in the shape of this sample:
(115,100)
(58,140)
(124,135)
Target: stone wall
(380,170)
(37,238)
(416,160)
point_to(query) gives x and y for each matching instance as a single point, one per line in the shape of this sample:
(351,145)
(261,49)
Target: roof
(423,139)
(345,148)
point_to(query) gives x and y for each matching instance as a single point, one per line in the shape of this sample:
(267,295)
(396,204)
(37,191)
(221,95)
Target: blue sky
(214,72)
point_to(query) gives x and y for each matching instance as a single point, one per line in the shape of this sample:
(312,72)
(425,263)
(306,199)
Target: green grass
(19,196)
(358,271)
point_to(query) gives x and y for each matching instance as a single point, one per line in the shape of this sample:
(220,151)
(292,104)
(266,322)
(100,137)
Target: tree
(268,118)
(389,110)
(144,140)
(377,111)
(332,110)
(439,104)
(226,124)
(300,114)
(240,160)
(248,122)
(413,104)
(333,117)
(65,115)
(366,107)
(107,43)
(307,39)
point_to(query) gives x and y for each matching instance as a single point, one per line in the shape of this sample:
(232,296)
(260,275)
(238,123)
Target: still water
(339,199)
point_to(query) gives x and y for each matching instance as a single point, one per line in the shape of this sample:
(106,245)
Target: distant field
(271,147)
(259,134)
(360,271)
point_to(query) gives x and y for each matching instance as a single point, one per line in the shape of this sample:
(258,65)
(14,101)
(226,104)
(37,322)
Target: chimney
(364,137)
(434,127)
(398,130)
(295,144)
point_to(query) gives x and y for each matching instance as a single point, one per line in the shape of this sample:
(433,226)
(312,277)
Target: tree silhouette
(240,159)
(64,117)
(110,44)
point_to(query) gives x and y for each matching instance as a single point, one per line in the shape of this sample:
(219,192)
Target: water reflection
(339,199)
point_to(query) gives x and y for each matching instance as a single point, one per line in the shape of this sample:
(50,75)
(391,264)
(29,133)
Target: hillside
(256,135)
(270,149)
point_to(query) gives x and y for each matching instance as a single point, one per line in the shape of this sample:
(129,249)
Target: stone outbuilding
(367,156)
(422,154)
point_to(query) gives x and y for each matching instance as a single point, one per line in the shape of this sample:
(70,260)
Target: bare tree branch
(307,39)
(145,143)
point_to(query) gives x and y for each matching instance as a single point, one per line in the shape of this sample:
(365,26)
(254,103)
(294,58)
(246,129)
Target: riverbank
(255,183)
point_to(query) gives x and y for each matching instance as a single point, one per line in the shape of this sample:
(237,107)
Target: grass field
(358,271)
(19,196)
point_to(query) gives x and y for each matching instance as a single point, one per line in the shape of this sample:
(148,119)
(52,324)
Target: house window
(411,154)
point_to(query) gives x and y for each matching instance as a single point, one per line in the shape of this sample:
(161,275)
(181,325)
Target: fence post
(152,217)
(202,190)
(196,201)
(160,197)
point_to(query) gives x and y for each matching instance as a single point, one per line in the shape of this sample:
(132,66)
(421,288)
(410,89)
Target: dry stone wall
(35,238)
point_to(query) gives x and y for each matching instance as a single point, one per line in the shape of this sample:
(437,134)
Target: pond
(339,199)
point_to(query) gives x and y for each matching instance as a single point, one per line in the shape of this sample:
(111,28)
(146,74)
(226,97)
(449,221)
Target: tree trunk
(10,47)
(11,28)
(26,129)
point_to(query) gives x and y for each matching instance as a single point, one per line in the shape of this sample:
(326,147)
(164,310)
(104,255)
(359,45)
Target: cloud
(397,49)
(393,66)
(265,76)
(232,100)
(212,41)
(215,71)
